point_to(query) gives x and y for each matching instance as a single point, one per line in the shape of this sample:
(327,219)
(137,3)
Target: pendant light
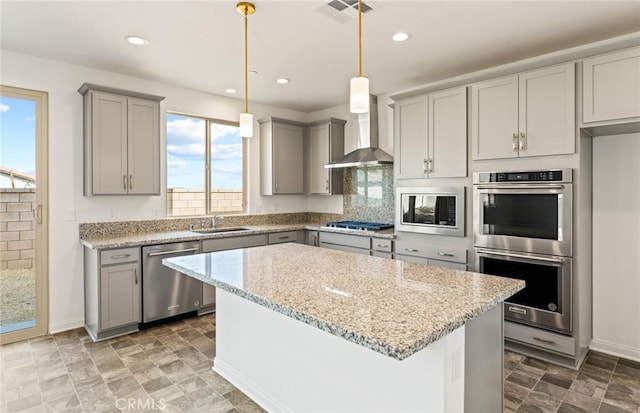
(246,118)
(359,95)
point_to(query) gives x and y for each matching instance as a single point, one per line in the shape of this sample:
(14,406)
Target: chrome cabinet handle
(382,245)
(124,182)
(446,254)
(411,250)
(515,142)
(430,163)
(130,181)
(119,257)
(528,186)
(542,340)
(135,275)
(523,141)
(284,237)
(425,166)
(326,185)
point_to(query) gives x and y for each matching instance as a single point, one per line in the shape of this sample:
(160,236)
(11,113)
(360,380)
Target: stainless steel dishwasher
(166,292)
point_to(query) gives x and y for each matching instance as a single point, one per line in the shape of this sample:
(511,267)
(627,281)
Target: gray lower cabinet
(112,292)
(430,254)
(345,242)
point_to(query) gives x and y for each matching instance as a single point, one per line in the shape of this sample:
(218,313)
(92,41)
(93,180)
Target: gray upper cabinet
(281,157)
(611,87)
(431,135)
(325,144)
(121,142)
(530,114)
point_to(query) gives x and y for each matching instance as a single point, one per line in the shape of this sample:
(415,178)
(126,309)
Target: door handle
(135,275)
(284,237)
(523,141)
(119,257)
(425,166)
(514,142)
(124,182)
(130,181)
(446,254)
(542,340)
(528,186)
(411,250)
(517,310)
(155,254)
(38,213)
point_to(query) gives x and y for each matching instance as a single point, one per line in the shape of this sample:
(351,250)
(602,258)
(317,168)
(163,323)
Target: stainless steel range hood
(368,154)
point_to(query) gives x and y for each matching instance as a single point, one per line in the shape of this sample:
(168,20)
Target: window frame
(207,166)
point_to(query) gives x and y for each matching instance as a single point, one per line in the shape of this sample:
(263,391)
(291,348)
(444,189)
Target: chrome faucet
(202,224)
(215,219)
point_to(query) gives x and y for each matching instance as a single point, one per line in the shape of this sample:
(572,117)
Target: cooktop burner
(366,226)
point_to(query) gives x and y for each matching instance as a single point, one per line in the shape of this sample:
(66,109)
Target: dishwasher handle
(155,254)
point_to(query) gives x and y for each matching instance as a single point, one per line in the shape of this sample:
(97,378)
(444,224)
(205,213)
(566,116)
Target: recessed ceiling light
(400,37)
(283,80)
(137,40)
(230,90)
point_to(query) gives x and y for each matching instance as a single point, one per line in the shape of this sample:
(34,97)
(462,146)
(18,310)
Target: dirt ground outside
(17,296)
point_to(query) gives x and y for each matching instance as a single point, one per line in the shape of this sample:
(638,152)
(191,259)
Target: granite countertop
(151,238)
(392,307)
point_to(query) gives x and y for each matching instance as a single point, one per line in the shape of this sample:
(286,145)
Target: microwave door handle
(560,220)
(522,256)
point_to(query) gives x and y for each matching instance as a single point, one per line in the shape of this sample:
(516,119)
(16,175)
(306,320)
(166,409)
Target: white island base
(285,365)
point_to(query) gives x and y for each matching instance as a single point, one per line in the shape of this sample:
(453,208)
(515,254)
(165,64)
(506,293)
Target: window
(191,190)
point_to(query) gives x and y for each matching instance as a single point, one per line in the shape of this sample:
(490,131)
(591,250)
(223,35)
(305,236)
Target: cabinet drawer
(382,254)
(280,237)
(381,244)
(221,244)
(411,258)
(345,248)
(119,256)
(448,264)
(540,338)
(421,249)
(344,239)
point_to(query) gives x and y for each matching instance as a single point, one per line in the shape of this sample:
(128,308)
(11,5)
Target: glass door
(23,214)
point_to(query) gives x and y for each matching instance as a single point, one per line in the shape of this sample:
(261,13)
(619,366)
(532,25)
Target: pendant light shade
(359,96)
(246,125)
(359,91)
(246,118)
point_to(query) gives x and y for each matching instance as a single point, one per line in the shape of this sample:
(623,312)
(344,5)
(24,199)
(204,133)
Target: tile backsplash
(368,194)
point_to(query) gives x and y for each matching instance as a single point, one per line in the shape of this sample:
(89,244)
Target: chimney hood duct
(368,154)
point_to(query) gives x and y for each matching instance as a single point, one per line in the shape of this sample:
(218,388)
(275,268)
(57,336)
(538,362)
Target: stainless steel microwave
(431,210)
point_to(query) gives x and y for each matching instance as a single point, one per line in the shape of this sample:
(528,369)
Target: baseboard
(618,350)
(65,325)
(249,388)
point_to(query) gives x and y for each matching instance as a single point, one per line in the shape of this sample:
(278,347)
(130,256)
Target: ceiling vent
(343,10)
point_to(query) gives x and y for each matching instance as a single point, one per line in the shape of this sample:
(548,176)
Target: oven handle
(510,254)
(527,186)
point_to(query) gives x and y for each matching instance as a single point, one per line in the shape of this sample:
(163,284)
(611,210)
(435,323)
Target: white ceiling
(199,44)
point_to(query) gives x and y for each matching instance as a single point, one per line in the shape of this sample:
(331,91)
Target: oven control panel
(554,175)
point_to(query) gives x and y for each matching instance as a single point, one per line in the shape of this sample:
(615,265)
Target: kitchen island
(300,328)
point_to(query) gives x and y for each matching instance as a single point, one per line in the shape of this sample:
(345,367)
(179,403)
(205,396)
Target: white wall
(61,81)
(616,245)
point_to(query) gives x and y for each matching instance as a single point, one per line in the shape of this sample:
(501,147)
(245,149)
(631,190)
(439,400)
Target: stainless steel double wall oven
(523,229)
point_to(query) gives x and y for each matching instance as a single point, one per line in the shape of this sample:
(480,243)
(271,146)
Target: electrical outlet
(113,212)
(71,215)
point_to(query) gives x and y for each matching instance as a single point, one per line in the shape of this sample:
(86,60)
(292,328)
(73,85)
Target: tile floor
(604,384)
(168,369)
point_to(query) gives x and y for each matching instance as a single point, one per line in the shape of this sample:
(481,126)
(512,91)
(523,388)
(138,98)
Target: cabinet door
(319,136)
(412,259)
(411,137)
(494,118)
(143,147)
(547,111)
(119,295)
(287,159)
(447,136)
(448,264)
(109,144)
(611,86)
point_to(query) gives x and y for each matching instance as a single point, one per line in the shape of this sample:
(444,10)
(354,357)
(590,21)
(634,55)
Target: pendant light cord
(246,61)
(359,38)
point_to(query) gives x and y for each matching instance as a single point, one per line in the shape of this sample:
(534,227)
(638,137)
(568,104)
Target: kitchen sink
(218,230)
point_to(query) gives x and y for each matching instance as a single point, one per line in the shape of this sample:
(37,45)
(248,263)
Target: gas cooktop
(361,225)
